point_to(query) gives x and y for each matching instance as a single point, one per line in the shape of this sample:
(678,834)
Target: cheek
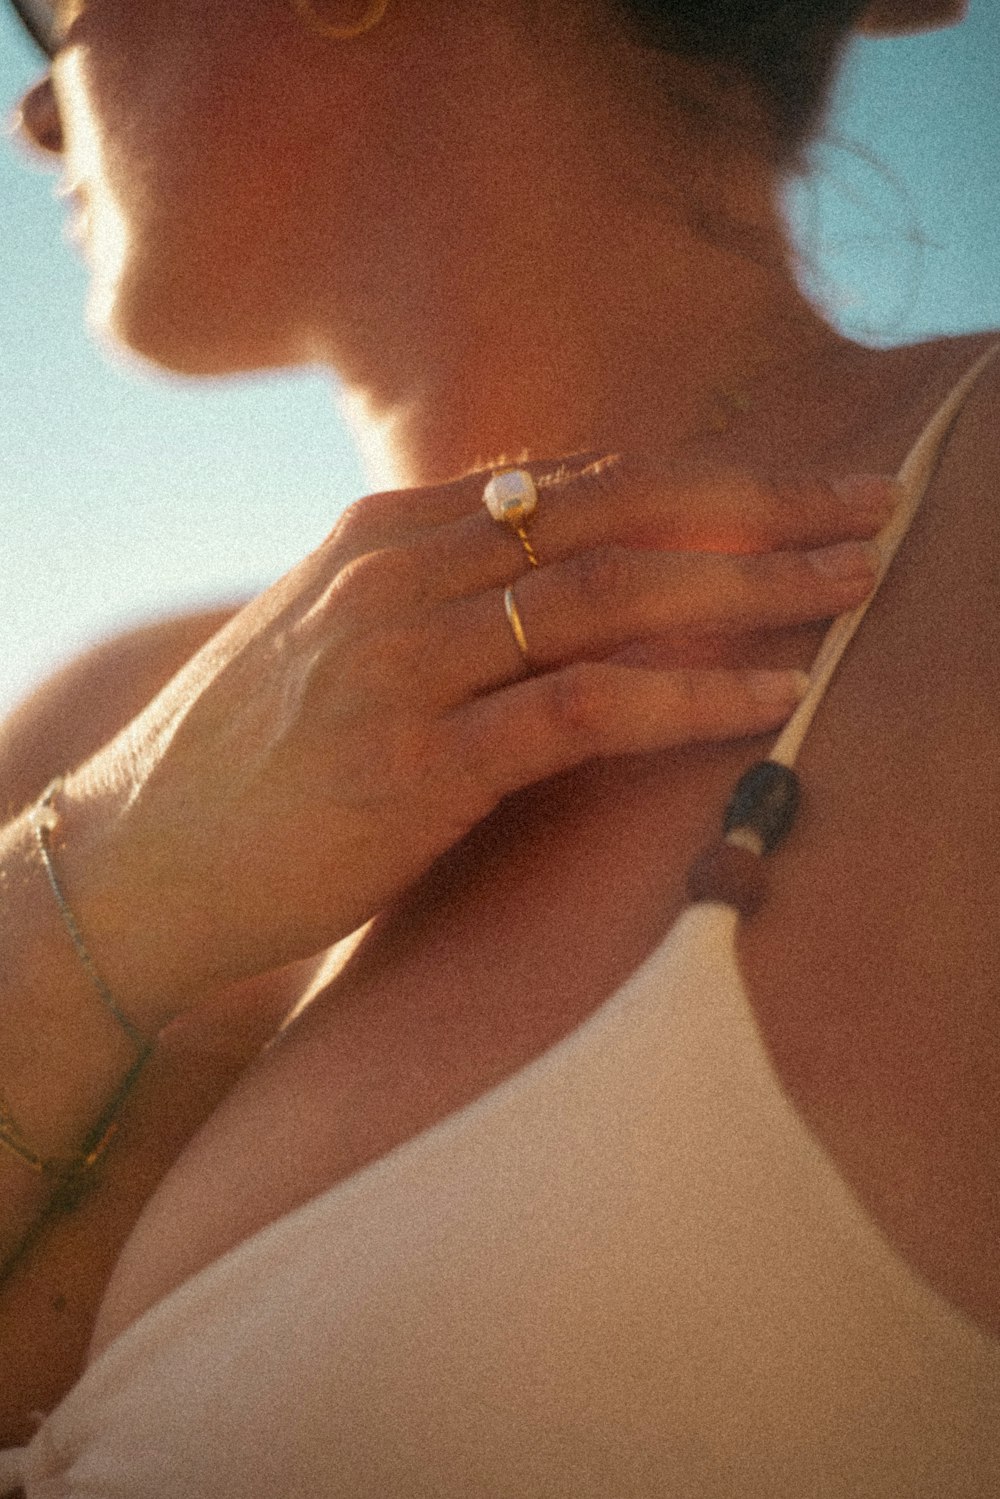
(162,86)
(185,107)
(219,170)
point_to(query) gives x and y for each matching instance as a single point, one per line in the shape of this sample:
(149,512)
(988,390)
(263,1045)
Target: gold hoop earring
(376,10)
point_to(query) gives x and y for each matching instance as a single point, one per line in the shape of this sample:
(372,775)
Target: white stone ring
(511,497)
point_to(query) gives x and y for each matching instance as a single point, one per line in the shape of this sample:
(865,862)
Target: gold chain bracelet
(67,1170)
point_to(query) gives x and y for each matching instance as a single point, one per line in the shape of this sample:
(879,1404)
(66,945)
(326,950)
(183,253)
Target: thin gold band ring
(516,624)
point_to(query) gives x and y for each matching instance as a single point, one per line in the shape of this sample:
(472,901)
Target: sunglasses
(39,18)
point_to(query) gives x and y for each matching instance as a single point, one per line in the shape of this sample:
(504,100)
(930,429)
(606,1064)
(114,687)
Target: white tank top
(628,1272)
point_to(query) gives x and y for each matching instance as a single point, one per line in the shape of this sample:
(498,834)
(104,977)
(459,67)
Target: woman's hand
(363,714)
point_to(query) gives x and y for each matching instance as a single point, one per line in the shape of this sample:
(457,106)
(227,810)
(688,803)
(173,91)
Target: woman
(735,1232)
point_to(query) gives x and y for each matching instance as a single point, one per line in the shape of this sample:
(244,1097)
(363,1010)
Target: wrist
(44,818)
(64,1055)
(144,941)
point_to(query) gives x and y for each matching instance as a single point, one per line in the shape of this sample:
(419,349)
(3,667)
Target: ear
(898,17)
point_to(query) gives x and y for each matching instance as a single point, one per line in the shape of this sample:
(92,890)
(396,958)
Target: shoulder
(919,379)
(980,416)
(969,473)
(874,966)
(86,702)
(934,368)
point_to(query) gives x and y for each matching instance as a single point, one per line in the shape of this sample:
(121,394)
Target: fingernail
(872,494)
(777,689)
(848,559)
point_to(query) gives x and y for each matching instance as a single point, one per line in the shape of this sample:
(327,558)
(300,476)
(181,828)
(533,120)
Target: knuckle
(373,584)
(775,569)
(379,664)
(360,667)
(352,529)
(780,487)
(394,570)
(753,572)
(574,704)
(787,581)
(817,492)
(796,491)
(720,508)
(409,759)
(596,576)
(477,778)
(387,760)
(396,651)
(365,521)
(690,690)
(398,654)
(747,587)
(764,506)
(470,757)
(352,593)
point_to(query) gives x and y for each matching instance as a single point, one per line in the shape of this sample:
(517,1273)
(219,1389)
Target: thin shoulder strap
(763,805)
(914,478)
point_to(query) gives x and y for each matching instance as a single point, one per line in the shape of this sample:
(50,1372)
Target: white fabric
(629,1272)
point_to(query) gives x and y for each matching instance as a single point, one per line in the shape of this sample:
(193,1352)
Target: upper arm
(77,710)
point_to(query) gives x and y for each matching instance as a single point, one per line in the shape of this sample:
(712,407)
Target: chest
(873,969)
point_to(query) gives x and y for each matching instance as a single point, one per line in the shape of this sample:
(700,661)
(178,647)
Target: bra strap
(763,806)
(914,477)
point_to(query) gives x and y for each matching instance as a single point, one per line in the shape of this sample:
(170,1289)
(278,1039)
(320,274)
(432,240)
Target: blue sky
(123,494)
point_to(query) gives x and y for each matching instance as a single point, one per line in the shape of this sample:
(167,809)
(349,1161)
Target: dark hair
(786,48)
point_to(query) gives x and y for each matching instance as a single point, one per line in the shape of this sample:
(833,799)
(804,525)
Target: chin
(185,323)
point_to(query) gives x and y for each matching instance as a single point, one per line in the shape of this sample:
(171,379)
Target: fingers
(549,724)
(628,503)
(432,610)
(698,509)
(398,517)
(601,599)
(597,601)
(639,501)
(447,545)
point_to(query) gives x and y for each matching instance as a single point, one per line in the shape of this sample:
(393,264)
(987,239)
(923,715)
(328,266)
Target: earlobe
(901,17)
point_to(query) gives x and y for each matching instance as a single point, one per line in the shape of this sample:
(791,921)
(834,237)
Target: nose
(37,121)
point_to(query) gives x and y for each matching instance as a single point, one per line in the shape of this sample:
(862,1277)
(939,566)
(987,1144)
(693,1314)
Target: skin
(892,17)
(540,224)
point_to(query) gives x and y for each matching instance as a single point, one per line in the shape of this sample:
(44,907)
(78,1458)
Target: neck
(608,362)
(614,306)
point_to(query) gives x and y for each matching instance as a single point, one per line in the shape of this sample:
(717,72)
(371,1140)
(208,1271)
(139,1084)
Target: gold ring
(511,497)
(516,624)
